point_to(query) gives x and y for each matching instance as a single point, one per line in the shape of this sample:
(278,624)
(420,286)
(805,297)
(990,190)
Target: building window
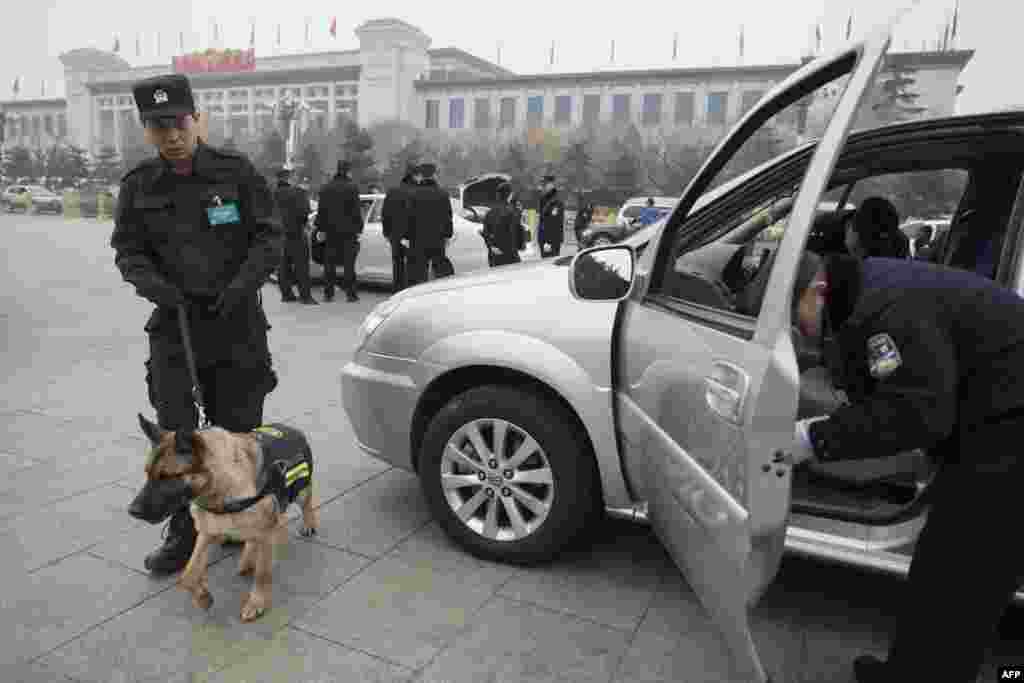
(62,126)
(48,124)
(267,93)
(591,109)
(239,108)
(438,75)
(239,94)
(750,98)
(36,125)
(482,112)
(716,107)
(535,110)
(344,111)
(457,113)
(238,127)
(563,109)
(433,114)
(651,114)
(508,112)
(107,127)
(125,101)
(684,108)
(621,108)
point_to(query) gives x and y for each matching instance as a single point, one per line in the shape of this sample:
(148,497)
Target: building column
(117,129)
(252,113)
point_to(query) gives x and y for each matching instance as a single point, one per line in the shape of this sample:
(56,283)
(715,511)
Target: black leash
(190,358)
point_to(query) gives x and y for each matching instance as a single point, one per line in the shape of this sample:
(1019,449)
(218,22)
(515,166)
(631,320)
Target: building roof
(91,59)
(470,59)
(10,105)
(244,78)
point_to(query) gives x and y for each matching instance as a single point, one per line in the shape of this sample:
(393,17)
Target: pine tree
(273,152)
(623,174)
(411,153)
(76,164)
(108,164)
(357,148)
(18,163)
(516,163)
(896,100)
(313,166)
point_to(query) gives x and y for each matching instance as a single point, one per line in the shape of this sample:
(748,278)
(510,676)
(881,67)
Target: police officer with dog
(195,226)
(396,217)
(293,207)
(340,219)
(931,357)
(430,228)
(550,219)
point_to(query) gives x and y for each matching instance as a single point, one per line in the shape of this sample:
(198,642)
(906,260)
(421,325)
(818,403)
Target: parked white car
(630,211)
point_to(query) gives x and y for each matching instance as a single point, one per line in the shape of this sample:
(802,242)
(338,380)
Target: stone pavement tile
(298,657)
(511,642)
(33,673)
(42,536)
(14,462)
(430,548)
(40,611)
(372,518)
(401,613)
(170,636)
(48,437)
(612,582)
(130,547)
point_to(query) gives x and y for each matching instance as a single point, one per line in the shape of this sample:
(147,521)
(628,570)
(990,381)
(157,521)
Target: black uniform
(583,218)
(551,224)
(396,215)
(933,357)
(293,207)
(431,225)
(503,230)
(341,221)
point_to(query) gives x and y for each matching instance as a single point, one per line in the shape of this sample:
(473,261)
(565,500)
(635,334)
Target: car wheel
(508,475)
(601,241)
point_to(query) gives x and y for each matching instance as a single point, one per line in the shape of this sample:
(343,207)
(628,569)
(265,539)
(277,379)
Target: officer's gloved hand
(803,450)
(405,243)
(162,293)
(229,300)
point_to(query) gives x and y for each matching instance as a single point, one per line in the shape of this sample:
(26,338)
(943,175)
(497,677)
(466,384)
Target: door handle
(725,391)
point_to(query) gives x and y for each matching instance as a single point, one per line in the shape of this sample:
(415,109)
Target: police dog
(238,487)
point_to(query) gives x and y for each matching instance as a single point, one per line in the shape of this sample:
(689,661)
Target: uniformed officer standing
(502,231)
(293,207)
(396,215)
(551,219)
(931,357)
(341,221)
(195,226)
(431,228)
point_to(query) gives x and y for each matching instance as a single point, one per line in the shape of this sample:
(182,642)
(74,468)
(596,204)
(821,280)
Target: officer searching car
(931,357)
(195,227)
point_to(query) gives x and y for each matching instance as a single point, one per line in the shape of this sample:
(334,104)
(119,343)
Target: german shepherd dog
(238,487)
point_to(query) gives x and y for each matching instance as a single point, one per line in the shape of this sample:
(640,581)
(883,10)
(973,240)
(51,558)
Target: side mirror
(603,273)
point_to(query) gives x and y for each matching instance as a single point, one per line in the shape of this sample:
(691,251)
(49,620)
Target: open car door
(707,398)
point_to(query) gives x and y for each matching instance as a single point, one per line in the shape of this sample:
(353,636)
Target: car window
(917,194)
(632,211)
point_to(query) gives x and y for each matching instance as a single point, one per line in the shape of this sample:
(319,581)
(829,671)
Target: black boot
(328,295)
(308,299)
(179,540)
(351,296)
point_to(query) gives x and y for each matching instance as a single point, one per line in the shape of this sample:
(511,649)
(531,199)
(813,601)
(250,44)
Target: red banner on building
(213,60)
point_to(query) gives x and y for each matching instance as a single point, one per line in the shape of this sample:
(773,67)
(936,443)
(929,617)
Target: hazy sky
(643,31)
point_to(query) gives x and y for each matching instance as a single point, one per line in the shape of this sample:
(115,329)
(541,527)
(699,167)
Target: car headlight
(374,319)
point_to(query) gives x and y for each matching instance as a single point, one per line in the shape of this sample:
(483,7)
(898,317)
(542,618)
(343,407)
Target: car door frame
(747,535)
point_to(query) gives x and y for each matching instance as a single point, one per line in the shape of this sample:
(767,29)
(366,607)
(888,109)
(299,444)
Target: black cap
(344,166)
(284,172)
(548,179)
(427,170)
(411,168)
(163,98)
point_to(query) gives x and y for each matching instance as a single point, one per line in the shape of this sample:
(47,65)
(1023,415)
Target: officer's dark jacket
(338,213)
(397,210)
(958,361)
(293,205)
(162,230)
(502,229)
(551,217)
(432,221)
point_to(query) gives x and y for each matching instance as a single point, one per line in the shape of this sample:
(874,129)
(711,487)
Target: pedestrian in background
(195,226)
(431,228)
(340,219)
(502,231)
(396,215)
(550,219)
(293,208)
(582,221)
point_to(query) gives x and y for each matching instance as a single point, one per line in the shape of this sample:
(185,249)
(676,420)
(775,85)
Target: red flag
(334,27)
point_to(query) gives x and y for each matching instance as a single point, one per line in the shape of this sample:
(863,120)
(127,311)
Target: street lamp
(288,110)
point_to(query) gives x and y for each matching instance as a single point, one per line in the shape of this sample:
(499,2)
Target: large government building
(447,93)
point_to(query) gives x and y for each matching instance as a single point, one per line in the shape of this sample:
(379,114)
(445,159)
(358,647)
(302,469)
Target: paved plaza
(380,594)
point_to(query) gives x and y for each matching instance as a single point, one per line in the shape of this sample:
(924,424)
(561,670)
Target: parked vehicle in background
(35,197)
(601,234)
(90,197)
(15,198)
(632,209)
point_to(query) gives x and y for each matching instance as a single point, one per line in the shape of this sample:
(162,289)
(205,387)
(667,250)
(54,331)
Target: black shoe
(309,300)
(328,295)
(351,297)
(870,669)
(179,541)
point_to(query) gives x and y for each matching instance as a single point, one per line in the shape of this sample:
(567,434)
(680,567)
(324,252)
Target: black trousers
(294,269)
(549,249)
(398,257)
(422,260)
(967,562)
(504,259)
(341,250)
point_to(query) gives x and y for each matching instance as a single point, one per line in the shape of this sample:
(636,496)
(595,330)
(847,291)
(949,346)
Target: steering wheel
(737,277)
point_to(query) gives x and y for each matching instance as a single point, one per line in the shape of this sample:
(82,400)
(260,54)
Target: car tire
(572,498)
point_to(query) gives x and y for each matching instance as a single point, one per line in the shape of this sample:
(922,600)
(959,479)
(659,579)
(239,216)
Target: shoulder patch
(270,431)
(883,356)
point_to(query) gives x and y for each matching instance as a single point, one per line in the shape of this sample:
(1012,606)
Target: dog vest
(287,467)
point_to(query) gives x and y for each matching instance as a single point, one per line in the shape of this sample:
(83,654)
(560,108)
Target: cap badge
(217,201)
(160,96)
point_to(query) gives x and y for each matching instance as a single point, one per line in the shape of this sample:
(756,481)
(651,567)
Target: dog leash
(190,359)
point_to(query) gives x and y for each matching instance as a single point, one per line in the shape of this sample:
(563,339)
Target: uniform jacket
(396,213)
(924,352)
(162,227)
(432,221)
(293,206)
(583,218)
(503,230)
(551,226)
(338,214)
